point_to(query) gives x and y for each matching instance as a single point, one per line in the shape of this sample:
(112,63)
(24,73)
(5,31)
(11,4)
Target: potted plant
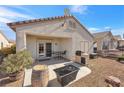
(14,64)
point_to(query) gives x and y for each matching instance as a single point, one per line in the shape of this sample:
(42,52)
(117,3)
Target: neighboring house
(117,39)
(121,43)
(4,41)
(11,42)
(104,41)
(43,36)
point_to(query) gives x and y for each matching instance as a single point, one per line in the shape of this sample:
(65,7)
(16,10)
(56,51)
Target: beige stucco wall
(66,44)
(32,45)
(4,41)
(58,44)
(115,43)
(68,39)
(121,42)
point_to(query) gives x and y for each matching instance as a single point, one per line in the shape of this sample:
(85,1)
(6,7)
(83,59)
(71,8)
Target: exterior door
(41,49)
(48,49)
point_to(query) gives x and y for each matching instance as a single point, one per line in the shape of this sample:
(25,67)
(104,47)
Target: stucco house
(4,41)
(42,36)
(104,40)
(117,40)
(118,37)
(121,43)
(120,40)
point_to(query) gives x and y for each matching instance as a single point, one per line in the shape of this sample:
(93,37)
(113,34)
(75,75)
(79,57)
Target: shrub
(8,50)
(16,62)
(121,58)
(13,49)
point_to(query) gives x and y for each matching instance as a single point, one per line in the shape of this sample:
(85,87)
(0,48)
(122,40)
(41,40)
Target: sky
(94,18)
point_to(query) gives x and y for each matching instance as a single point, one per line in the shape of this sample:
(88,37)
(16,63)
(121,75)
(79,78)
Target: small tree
(14,63)
(8,50)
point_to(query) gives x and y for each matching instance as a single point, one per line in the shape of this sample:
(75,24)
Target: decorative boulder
(113,81)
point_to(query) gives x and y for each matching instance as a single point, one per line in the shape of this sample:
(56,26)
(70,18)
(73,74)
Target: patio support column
(20,41)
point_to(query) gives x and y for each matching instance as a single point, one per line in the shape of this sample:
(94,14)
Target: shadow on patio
(51,61)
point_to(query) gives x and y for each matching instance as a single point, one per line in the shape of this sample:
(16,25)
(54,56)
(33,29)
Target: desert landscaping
(101,68)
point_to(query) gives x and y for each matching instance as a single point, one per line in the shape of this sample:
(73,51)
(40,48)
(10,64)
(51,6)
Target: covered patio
(45,47)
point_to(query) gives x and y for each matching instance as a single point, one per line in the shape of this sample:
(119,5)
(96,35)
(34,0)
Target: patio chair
(53,54)
(56,55)
(64,54)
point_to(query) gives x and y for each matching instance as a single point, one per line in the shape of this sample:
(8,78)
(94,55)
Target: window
(41,48)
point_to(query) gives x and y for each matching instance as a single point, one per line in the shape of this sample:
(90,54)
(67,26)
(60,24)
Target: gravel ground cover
(101,67)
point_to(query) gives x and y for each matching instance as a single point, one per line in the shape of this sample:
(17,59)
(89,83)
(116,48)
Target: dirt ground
(101,68)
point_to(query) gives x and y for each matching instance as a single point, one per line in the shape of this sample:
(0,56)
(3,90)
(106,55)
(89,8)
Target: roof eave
(15,24)
(27,22)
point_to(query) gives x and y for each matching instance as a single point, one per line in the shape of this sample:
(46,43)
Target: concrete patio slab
(52,75)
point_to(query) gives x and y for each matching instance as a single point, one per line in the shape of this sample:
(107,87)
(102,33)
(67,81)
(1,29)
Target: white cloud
(8,15)
(79,9)
(93,29)
(107,28)
(6,20)
(7,31)
(20,7)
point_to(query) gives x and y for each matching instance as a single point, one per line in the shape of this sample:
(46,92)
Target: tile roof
(117,37)
(100,34)
(13,24)
(11,41)
(38,20)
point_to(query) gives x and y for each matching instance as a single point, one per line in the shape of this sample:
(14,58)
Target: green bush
(8,50)
(16,62)
(13,49)
(121,58)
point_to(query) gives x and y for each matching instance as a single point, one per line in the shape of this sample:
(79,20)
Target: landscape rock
(113,81)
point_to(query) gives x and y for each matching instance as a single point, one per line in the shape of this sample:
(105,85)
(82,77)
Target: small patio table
(58,54)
